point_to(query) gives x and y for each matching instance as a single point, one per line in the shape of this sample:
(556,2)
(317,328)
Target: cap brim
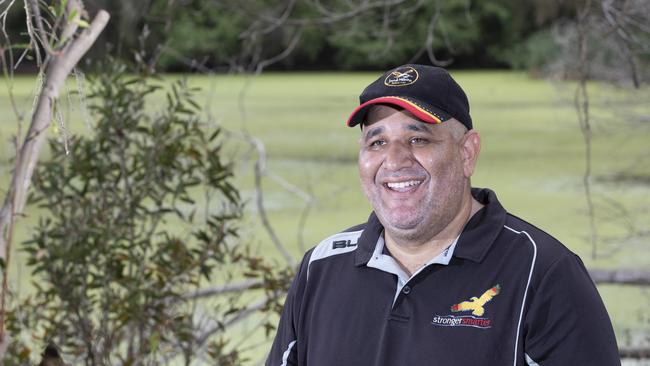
(420,110)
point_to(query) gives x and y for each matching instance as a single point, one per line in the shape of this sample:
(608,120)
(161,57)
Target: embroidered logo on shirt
(339,244)
(476,305)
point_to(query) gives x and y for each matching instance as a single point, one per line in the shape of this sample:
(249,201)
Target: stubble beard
(430,217)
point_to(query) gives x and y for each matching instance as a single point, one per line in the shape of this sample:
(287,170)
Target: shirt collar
(474,242)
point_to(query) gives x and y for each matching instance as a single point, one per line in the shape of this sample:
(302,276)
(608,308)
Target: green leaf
(82,23)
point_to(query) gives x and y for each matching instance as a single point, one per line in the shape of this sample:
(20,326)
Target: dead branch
(238,317)
(625,44)
(225,289)
(620,277)
(581,101)
(336,17)
(282,55)
(636,353)
(38,35)
(260,169)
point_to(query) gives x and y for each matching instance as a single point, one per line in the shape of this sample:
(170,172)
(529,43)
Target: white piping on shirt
(530,361)
(523,302)
(285,355)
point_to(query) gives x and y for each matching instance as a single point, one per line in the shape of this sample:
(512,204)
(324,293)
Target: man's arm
(567,323)
(285,345)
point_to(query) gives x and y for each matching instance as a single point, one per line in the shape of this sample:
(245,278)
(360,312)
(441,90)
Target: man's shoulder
(547,249)
(340,243)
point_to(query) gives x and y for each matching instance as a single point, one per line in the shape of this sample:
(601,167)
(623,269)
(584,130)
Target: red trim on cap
(417,111)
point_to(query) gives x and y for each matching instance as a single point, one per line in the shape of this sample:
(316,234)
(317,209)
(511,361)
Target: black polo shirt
(503,293)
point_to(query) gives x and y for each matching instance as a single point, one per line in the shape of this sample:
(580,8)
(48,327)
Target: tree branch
(637,353)
(220,290)
(621,277)
(57,71)
(238,317)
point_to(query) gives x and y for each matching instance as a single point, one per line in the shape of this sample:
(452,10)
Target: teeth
(402,185)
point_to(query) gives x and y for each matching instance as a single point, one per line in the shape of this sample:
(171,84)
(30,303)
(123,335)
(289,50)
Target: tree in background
(139,216)
(307,34)
(609,41)
(57,37)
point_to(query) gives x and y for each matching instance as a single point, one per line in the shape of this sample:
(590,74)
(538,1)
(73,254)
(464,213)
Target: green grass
(532,156)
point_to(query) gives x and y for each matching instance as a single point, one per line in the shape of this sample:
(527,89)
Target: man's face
(414,174)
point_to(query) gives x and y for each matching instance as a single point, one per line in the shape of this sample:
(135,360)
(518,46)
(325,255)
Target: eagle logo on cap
(401,76)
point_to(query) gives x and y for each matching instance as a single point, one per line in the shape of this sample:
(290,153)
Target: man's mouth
(403,186)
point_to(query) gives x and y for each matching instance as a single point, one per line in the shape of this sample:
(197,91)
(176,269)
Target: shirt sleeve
(284,351)
(567,323)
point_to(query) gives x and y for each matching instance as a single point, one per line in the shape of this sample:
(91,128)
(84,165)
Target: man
(440,274)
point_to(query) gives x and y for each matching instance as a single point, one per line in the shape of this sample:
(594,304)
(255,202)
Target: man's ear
(470,148)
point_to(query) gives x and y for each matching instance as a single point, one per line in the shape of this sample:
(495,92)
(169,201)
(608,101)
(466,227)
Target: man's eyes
(411,141)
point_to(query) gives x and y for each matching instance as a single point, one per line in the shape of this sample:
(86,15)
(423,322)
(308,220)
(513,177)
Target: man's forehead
(383,112)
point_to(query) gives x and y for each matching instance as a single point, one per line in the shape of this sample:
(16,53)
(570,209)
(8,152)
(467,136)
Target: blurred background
(163,171)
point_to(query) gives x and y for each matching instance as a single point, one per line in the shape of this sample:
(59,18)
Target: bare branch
(220,290)
(238,317)
(336,17)
(260,169)
(625,45)
(275,23)
(284,54)
(621,277)
(428,44)
(581,101)
(637,353)
(33,11)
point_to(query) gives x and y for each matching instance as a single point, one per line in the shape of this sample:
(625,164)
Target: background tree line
(216,35)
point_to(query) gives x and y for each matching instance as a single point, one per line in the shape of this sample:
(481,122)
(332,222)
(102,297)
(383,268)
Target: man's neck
(411,256)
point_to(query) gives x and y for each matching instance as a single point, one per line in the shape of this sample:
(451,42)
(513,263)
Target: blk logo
(339,244)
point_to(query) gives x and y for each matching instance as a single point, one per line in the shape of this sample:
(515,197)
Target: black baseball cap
(428,92)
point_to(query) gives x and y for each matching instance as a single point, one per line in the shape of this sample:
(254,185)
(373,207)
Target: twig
(637,353)
(621,277)
(581,101)
(238,317)
(259,170)
(220,290)
(282,55)
(625,43)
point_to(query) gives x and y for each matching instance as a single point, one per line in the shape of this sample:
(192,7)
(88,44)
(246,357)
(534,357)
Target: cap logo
(402,76)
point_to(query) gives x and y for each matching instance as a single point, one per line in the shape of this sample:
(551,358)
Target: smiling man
(440,274)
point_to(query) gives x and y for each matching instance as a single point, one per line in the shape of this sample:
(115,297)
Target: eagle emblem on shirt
(476,304)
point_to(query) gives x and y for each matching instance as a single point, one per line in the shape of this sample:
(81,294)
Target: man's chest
(447,315)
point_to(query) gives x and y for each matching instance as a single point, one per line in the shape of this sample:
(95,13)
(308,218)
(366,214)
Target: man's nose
(398,156)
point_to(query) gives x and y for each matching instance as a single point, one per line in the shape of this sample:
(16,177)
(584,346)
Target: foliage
(332,35)
(342,35)
(138,216)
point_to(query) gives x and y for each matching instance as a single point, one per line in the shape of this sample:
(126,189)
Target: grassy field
(532,156)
